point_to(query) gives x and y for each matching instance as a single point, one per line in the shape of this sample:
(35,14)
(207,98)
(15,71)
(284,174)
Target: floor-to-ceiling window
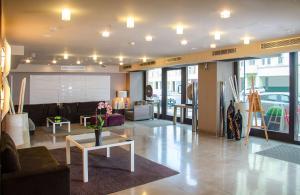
(271,79)
(173,90)
(153,78)
(192,75)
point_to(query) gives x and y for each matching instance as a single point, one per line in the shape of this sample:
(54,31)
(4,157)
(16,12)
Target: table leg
(68,154)
(84,121)
(80,120)
(69,127)
(108,152)
(181,115)
(132,157)
(175,115)
(53,128)
(47,122)
(85,165)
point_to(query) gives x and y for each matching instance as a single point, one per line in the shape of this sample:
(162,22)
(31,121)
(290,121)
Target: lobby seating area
(149,97)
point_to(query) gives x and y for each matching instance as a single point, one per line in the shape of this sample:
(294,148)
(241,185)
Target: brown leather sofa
(31,171)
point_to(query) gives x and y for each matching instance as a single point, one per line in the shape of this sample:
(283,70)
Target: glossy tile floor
(207,164)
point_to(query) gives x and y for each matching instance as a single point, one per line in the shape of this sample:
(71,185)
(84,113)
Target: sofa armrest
(47,181)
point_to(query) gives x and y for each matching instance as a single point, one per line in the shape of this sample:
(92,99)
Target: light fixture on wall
(121,58)
(100,62)
(121,63)
(66,14)
(130,22)
(78,62)
(54,61)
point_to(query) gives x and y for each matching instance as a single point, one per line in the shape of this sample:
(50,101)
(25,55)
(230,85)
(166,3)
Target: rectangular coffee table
(58,122)
(87,142)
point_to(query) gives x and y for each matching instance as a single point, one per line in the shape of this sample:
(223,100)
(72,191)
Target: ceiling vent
(281,43)
(72,68)
(224,52)
(151,63)
(126,66)
(175,59)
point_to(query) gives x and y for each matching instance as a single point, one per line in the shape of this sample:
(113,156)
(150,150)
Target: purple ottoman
(115,120)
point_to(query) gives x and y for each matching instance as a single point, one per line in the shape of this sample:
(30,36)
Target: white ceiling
(37,25)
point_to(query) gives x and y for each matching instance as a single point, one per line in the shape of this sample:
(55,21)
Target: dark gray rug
(108,175)
(283,152)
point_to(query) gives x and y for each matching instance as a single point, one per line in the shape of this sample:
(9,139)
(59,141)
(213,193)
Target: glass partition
(271,80)
(192,75)
(153,78)
(173,90)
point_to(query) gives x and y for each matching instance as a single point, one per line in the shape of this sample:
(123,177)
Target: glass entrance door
(173,90)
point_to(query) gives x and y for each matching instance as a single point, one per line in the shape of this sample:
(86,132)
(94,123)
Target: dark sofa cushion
(9,155)
(36,158)
(86,108)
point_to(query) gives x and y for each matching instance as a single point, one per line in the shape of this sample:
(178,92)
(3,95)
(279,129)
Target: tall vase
(243,107)
(98,134)
(16,125)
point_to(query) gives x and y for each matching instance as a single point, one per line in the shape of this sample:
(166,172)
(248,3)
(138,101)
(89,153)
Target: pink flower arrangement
(105,105)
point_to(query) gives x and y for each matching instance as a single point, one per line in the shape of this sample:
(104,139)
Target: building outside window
(272,82)
(153,78)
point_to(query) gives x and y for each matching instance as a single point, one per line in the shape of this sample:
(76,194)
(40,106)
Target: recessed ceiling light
(105,33)
(179,29)
(144,59)
(132,43)
(183,42)
(194,48)
(78,62)
(66,56)
(213,45)
(27,61)
(54,61)
(217,35)
(225,14)
(121,58)
(130,22)
(148,38)
(66,14)
(100,62)
(121,63)
(246,40)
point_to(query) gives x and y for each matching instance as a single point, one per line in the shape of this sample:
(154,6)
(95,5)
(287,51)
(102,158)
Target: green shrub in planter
(275,111)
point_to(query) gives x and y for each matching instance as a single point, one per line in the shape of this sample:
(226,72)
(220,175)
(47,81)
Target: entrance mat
(283,152)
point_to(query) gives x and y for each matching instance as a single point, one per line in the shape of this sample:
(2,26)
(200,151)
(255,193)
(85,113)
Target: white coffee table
(83,119)
(87,142)
(58,122)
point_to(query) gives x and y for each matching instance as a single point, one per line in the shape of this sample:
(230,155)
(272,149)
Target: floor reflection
(207,164)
